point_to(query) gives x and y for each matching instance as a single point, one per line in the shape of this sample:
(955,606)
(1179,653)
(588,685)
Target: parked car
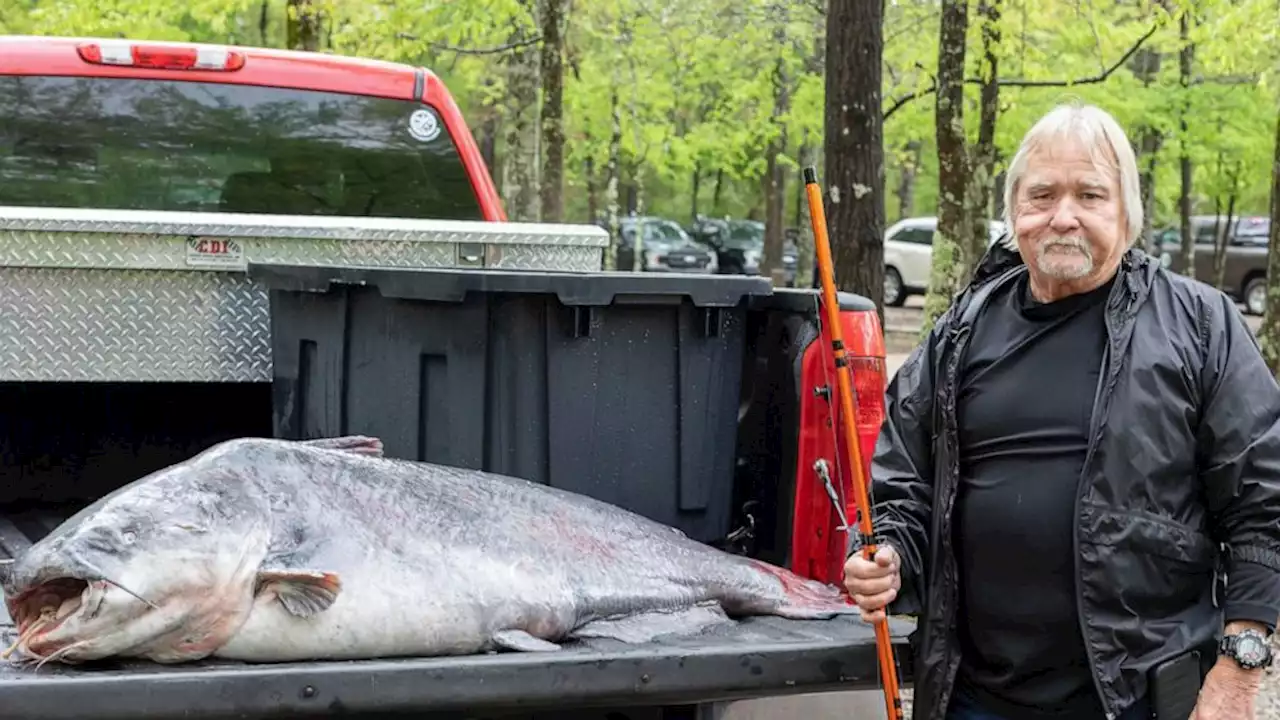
(1245,278)
(739,246)
(667,247)
(908,256)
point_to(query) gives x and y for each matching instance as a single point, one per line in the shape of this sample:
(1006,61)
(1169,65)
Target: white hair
(1097,130)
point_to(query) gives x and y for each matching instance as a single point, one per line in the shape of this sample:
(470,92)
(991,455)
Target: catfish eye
(129,536)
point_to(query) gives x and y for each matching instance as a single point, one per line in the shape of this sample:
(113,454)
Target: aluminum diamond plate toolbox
(119,295)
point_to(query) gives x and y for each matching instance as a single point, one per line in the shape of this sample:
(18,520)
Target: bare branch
(1225,80)
(487,51)
(911,26)
(476,51)
(1092,80)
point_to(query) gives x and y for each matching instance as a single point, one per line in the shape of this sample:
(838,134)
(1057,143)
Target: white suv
(908,256)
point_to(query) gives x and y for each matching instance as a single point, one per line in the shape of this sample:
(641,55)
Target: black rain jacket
(1181,480)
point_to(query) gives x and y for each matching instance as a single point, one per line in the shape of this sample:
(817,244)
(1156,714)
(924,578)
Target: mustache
(1072,241)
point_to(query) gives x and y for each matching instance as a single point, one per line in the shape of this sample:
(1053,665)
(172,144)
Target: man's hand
(1229,690)
(873,585)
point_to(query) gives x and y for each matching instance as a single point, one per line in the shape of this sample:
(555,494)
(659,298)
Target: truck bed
(758,657)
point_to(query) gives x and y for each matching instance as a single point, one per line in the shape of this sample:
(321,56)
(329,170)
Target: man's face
(1068,219)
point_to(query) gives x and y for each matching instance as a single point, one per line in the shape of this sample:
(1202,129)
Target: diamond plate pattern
(96,295)
(75,238)
(158,252)
(59,249)
(132,325)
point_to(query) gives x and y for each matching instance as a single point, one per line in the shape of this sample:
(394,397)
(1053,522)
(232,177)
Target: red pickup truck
(131,171)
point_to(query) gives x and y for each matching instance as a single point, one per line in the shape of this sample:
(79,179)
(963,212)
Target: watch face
(1251,650)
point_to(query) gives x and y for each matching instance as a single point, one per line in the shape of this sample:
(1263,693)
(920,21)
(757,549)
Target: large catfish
(271,550)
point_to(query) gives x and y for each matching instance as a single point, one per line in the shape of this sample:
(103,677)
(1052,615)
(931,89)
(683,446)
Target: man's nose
(1065,218)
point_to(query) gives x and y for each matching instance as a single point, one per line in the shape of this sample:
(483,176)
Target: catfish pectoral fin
(302,592)
(521,641)
(643,627)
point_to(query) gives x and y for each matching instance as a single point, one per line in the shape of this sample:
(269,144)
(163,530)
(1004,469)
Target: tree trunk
(263,23)
(1149,152)
(593,190)
(775,179)
(697,189)
(520,156)
(804,223)
(612,176)
(854,147)
(944,278)
(1146,67)
(637,180)
(773,185)
(488,137)
(1269,333)
(552,182)
(907,180)
(1187,264)
(1221,242)
(982,171)
(302,25)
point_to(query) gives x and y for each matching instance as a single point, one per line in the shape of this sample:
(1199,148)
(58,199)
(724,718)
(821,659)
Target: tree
(854,147)
(552,190)
(953,166)
(1269,333)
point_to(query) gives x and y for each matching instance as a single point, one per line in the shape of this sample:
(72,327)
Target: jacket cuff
(1253,593)
(908,601)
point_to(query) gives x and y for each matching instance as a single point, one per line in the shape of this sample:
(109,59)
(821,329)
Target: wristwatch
(1249,648)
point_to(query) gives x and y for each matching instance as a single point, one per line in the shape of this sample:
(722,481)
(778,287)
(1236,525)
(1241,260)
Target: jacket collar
(1136,266)
(1136,272)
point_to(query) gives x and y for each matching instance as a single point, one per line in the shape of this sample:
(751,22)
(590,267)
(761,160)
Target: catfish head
(163,568)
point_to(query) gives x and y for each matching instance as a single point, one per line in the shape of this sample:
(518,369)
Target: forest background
(590,111)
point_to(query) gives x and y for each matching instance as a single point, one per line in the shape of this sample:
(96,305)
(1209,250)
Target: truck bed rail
(758,657)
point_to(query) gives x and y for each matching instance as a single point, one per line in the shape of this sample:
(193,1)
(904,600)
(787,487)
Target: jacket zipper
(959,333)
(951,441)
(1101,393)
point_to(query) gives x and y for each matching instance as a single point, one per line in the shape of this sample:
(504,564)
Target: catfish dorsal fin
(354,444)
(302,592)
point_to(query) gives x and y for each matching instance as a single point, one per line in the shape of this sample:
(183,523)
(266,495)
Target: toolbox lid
(572,288)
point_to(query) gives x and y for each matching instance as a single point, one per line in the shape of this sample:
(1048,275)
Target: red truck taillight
(817,546)
(160,56)
(868,385)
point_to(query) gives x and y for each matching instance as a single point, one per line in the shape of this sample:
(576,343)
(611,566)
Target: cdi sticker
(424,125)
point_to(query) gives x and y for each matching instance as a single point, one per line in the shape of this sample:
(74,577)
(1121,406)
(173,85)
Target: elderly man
(1078,481)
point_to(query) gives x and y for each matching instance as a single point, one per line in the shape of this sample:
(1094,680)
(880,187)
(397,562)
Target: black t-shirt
(1025,403)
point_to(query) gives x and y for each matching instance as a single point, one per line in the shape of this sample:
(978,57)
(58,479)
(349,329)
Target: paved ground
(865,705)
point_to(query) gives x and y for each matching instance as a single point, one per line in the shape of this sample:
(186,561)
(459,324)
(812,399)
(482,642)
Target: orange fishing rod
(844,378)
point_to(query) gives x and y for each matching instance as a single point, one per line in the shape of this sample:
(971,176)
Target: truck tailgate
(759,657)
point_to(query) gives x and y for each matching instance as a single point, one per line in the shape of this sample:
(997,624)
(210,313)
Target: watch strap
(1229,646)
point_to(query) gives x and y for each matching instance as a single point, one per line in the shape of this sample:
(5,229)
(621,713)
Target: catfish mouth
(41,610)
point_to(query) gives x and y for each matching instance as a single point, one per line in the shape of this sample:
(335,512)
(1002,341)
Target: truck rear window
(187,146)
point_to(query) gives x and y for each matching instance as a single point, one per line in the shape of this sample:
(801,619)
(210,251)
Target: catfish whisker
(60,653)
(47,615)
(103,577)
